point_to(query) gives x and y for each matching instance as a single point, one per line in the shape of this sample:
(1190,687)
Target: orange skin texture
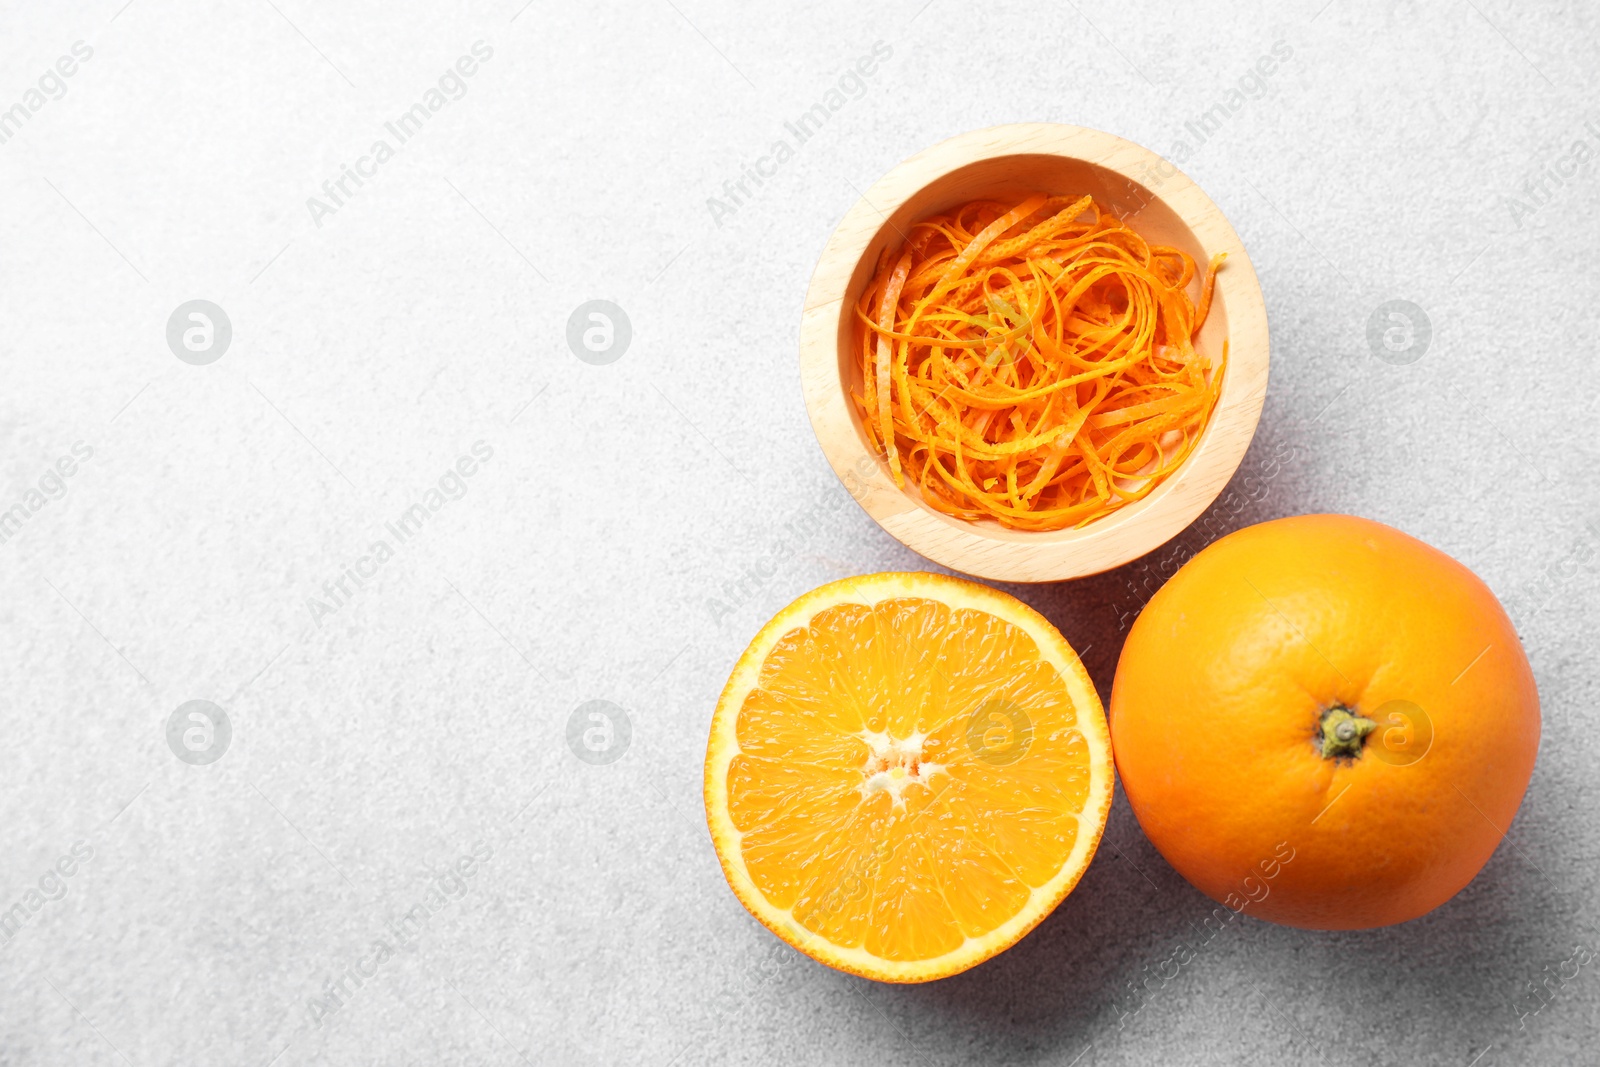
(1219,696)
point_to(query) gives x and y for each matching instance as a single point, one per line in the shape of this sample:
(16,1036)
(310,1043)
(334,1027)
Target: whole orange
(1326,722)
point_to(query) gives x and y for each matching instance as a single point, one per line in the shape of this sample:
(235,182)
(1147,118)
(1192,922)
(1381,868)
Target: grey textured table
(395,856)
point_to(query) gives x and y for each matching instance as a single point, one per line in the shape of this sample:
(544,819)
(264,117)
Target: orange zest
(1033,363)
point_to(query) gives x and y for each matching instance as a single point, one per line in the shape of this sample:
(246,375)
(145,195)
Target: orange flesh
(863,803)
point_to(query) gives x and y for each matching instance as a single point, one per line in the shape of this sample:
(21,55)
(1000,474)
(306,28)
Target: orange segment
(906,773)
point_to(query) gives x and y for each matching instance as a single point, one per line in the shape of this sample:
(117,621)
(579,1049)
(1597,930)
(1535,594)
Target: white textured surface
(638,521)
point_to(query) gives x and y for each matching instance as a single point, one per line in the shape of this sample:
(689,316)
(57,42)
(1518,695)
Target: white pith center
(894,765)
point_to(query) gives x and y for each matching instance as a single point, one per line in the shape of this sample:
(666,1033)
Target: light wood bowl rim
(987,550)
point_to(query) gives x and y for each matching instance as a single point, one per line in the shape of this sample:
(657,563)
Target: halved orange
(906,773)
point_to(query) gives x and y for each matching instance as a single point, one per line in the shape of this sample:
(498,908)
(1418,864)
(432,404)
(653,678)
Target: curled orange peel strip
(1033,363)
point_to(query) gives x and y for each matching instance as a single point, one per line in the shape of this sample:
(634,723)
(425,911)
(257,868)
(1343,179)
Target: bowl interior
(1011,177)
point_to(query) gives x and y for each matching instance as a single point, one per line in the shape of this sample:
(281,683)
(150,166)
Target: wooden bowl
(1158,201)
